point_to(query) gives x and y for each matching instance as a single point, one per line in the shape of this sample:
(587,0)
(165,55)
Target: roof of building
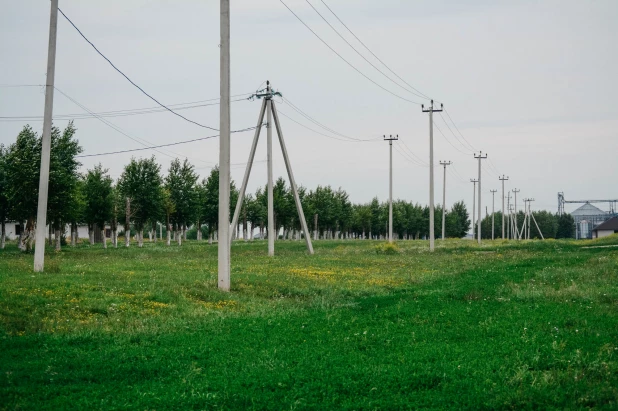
(588,209)
(611,224)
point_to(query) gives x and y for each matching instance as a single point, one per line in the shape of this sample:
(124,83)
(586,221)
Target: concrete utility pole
(503,179)
(269,160)
(515,201)
(431,110)
(493,211)
(444,164)
(41,216)
(508,208)
(480,157)
(473,207)
(527,202)
(390,186)
(224,151)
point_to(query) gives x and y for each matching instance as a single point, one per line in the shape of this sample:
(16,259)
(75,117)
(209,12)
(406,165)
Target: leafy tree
(141,183)
(169,208)
(4,201)
(566,226)
(181,184)
(548,223)
(99,201)
(22,165)
(459,224)
(63,179)
(210,208)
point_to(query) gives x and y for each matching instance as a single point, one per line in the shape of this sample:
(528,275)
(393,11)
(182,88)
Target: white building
(607,228)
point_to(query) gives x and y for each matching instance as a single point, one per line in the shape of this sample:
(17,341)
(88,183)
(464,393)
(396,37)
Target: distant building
(609,227)
(587,217)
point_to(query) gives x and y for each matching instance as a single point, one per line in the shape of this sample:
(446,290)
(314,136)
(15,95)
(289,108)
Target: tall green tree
(99,201)
(23,160)
(459,224)
(566,226)
(4,201)
(181,183)
(141,184)
(210,207)
(63,179)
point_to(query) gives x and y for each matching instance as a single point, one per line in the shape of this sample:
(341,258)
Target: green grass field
(532,325)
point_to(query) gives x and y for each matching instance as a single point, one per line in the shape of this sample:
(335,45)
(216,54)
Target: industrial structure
(587,217)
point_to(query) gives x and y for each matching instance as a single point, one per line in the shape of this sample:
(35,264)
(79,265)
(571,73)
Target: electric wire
(311,129)
(420,160)
(131,81)
(407,157)
(346,61)
(372,53)
(360,54)
(317,123)
(455,135)
(447,140)
(460,133)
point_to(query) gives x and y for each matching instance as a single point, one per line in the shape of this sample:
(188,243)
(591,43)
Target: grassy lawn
(532,325)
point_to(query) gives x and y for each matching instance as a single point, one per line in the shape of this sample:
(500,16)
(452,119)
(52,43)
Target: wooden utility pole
(431,110)
(41,216)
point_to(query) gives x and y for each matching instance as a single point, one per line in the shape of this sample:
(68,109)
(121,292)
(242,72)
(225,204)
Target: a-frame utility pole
(431,110)
(493,211)
(444,164)
(473,202)
(41,215)
(224,152)
(269,105)
(478,232)
(503,179)
(390,186)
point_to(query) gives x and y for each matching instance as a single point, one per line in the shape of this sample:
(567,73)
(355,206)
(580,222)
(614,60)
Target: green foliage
(98,197)
(387,248)
(566,226)
(23,163)
(141,182)
(210,207)
(181,185)
(458,222)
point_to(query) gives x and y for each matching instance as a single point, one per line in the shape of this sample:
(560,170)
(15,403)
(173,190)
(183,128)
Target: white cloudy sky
(532,83)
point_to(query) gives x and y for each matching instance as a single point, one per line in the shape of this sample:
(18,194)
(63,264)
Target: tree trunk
(28,235)
(3,236)
(184,232)
(169,235)
(57,235)
(150,236)
(140,238)
(179,234)
(73,234)
(199,230)
(315,227)
(127,224)
(91,233)
(104,238)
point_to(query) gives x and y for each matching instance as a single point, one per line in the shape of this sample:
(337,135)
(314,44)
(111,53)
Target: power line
(407,157)
(421,161)
(460,133)
(455,135)
(315,131)
(317,123)
(346,61)
(161,145)
(107,114)
(131,81)
(372,53)
(449,141)
(362,56)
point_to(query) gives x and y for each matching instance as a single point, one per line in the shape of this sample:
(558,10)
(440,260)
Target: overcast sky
(532,83)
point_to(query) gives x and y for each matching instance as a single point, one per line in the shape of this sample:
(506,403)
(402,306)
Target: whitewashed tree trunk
(140,238)
(210,238)
(57,235)
(3,236)
(184,232)
(169,236)
(127,235)
(91,234)
(150,236)
(104,238)
(179,236)
(115,238)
